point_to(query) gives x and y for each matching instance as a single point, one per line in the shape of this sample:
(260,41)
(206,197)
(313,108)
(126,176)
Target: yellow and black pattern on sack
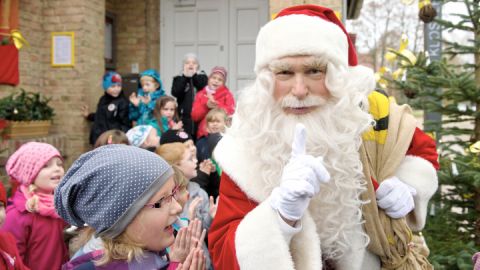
(379,108)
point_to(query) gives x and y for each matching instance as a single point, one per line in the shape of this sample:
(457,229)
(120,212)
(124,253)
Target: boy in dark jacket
(112,108)
(185,86)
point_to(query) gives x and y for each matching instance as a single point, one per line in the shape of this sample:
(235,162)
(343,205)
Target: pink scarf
(40,203)
(210,91)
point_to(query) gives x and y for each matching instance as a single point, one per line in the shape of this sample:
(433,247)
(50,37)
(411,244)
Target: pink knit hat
(24,165)
(219,70)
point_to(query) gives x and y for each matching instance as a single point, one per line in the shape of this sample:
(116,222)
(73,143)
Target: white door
(246,19)
(220,32)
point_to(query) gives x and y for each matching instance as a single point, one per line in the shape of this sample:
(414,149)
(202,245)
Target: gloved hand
(395,197)
(300,181)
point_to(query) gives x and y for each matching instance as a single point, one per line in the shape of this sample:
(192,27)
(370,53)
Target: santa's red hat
(305,30)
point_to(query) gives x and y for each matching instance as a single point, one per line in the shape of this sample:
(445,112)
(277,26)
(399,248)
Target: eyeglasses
(165,200)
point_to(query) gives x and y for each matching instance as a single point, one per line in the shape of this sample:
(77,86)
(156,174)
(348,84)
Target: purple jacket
(150,261)
(476,261)
(39,238)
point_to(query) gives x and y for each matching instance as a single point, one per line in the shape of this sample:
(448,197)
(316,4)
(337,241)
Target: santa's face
(299,81)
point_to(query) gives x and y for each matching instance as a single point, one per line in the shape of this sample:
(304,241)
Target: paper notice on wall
(62,50)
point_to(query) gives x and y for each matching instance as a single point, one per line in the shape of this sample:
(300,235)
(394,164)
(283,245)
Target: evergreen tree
(453,90)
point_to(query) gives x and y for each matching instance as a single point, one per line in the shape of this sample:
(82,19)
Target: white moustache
(291,101)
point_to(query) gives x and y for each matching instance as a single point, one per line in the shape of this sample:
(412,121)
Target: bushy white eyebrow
(312,63)
(279,65)
(315,63)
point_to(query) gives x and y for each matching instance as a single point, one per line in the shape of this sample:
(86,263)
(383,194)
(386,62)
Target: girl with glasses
(128,196)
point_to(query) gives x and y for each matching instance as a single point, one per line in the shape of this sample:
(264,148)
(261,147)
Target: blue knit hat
(107,187)
(111,78)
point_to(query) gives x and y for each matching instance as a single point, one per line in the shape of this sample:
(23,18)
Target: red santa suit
(247,233)
(246,230)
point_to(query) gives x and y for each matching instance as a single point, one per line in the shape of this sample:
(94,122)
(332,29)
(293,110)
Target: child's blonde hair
(122,247)
(173,154)
(179,178)
(113,136)
(215,113)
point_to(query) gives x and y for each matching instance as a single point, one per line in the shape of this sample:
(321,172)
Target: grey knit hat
(107,187)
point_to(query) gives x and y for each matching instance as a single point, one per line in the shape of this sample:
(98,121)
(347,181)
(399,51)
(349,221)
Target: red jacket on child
(224,99)
(9,257)
(39,238)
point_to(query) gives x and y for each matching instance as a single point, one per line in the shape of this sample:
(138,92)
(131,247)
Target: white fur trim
(421,175)
(300,35)
(236,163)
(259,241)
(260,244)
(288,231)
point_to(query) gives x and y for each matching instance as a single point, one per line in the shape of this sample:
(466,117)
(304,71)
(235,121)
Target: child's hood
(154,74)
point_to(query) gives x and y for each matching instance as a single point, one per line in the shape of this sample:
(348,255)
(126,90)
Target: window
(110,44)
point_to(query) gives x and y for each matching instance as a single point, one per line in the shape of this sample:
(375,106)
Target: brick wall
(138,41)
(81,84)
(138,34)
(153,37)
(69,87)
(110,5)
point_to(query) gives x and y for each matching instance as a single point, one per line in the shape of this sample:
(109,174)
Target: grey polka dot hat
(107,187)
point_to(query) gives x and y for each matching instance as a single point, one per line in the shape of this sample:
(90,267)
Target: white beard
(333,131)
(337,208)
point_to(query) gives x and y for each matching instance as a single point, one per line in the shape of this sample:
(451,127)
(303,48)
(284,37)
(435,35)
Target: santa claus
(317,171)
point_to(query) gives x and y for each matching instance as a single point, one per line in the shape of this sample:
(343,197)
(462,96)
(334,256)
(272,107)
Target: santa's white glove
(395,197)
(300,181)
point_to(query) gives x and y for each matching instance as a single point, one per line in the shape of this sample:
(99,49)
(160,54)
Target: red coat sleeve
(199,107)
(8,245)
(232,208)
(424,146)
(227,102)
(19,226)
